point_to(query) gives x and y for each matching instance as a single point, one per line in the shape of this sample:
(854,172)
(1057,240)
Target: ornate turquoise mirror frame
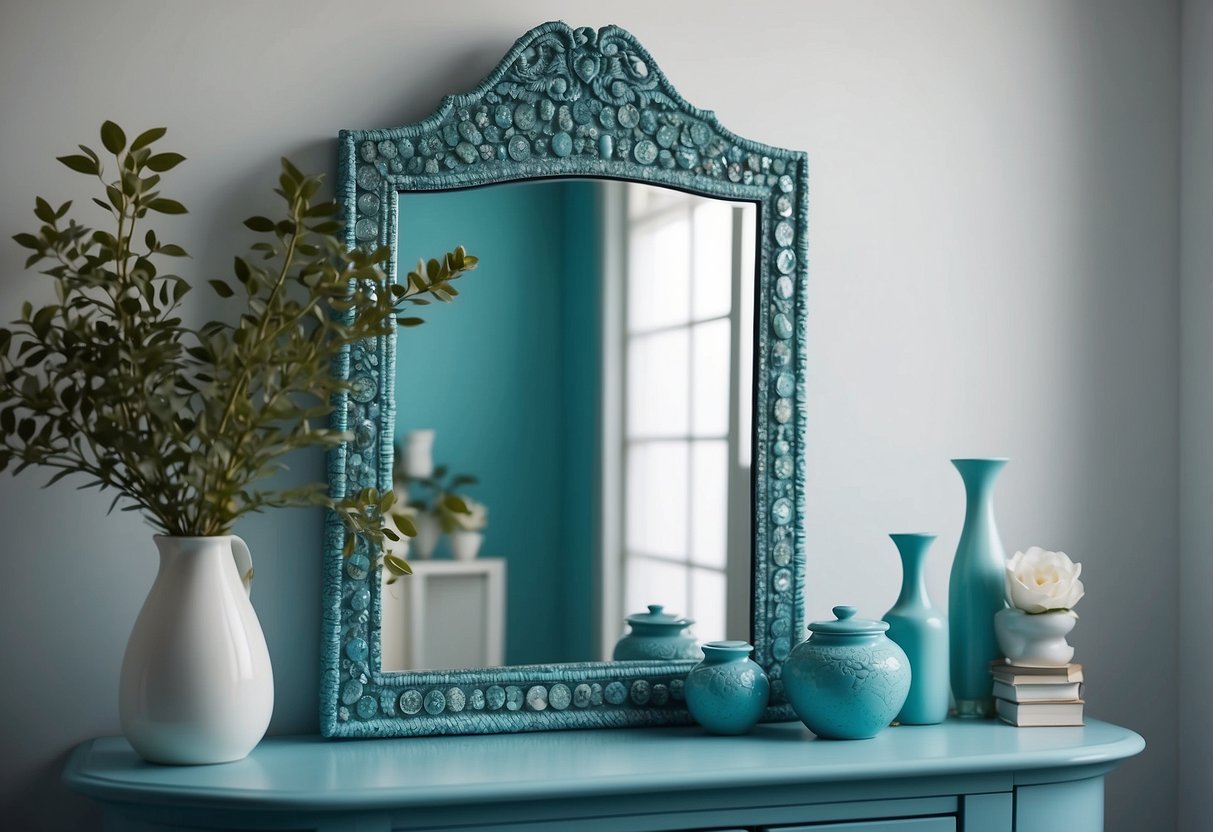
(568,104)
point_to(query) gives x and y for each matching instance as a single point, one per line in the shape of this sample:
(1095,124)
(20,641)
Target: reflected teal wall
(508,377)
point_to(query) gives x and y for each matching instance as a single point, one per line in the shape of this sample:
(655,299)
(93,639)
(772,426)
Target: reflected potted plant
(434,504)
(186,425)
(467,530)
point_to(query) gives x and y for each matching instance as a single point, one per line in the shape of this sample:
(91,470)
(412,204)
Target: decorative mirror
(623,373)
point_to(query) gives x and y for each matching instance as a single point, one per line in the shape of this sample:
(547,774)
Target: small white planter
(1038,640)
(465,545)
(196,684)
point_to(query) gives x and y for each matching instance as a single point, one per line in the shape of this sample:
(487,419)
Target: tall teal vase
(922,632)
(976,590)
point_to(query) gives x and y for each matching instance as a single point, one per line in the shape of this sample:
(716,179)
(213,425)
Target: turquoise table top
(314,773)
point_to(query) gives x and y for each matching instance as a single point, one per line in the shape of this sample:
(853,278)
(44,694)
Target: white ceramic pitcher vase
(196,684)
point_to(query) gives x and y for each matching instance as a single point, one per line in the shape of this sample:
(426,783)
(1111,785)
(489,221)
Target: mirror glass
(591,388)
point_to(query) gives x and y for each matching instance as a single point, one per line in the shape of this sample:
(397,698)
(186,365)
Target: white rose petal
(1040,581)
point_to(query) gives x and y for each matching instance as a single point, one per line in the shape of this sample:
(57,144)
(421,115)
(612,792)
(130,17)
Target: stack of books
(1031,696)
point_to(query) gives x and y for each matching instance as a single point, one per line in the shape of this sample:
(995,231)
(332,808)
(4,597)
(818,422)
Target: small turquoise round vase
(848,680)
(657,635)
(727,692)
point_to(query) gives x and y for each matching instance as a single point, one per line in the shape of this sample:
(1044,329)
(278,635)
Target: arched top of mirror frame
(581,103)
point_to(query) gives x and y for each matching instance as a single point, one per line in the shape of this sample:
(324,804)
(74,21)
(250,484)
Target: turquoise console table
(956,777)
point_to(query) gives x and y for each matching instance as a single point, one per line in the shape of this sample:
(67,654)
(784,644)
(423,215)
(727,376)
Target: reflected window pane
(656,502)
(707,605)
(659,273)
(709,502)
(657,384)
(651,581)
(713,284)
(710,385)
(745,355)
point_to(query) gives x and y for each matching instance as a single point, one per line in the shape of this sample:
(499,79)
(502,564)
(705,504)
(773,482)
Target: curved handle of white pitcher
(244,562)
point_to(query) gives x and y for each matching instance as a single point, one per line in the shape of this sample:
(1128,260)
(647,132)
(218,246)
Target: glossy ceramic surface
(976,591)
(921,630)
(196,683)
(848,681)
(726,692)
(657,634)
(1038,640)
(566,103)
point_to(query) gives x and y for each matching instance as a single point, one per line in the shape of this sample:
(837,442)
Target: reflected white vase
(465,545)
(1037,640)
(419,454)
(196,683)
(426,540)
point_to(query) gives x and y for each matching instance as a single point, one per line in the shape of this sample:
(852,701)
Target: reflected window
(685,352)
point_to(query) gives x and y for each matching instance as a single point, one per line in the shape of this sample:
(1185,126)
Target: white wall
(1196,416)
(994,222)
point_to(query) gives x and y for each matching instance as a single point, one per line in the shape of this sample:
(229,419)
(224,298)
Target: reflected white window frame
(613,551)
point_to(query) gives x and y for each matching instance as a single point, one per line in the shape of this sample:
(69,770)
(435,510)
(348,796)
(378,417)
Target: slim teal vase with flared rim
(921,631)
(976,590)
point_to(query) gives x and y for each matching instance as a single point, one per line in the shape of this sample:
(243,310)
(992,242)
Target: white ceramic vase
(428,531)
(419,454)
(465,545)
(196,684)
(1037,640)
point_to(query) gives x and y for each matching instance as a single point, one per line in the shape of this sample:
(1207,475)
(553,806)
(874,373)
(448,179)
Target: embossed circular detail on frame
(356,648)
(661,694)
(351,692)
(362,389)
(782,553)
(781,511)
(560,697)
(785,261)
(785,384)
(628,116)
(677,690)
(455,700)
(435,702)
(367,707)
(581,696)
(645,152)
(368,203)
(410,702)
(368,178)
(641,692)
(781,581)
(476,700)
(495,697)
(782,326)
(537,698)
(784,287)
(783,411)
(784,234)
(616,692)
(520,148)
(360,599)
(783,467)
(513,698)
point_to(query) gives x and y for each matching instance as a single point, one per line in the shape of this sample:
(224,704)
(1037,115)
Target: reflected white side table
(447,614)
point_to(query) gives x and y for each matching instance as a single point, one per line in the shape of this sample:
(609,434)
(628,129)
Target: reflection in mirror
(594,377)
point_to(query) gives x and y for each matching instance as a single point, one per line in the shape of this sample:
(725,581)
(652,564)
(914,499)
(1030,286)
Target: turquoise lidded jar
(976,591)
(657,634)
(921,631)
(727,692)
(848,680)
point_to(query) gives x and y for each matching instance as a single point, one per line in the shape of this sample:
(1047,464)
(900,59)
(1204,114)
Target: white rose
(1042,581)
(476,519)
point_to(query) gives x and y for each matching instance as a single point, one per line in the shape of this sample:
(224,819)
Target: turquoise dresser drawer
(947,824)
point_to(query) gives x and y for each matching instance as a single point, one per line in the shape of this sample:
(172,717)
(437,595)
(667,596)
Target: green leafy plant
(437,494)
(188,425)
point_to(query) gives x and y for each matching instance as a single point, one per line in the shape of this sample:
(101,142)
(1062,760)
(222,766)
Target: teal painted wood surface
(673,779)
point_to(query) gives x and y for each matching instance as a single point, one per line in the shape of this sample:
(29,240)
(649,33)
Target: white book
(1032,714)
(1034,692)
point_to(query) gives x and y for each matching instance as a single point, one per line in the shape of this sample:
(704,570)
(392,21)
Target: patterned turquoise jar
(726,692)
(657,635)
(848,681)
